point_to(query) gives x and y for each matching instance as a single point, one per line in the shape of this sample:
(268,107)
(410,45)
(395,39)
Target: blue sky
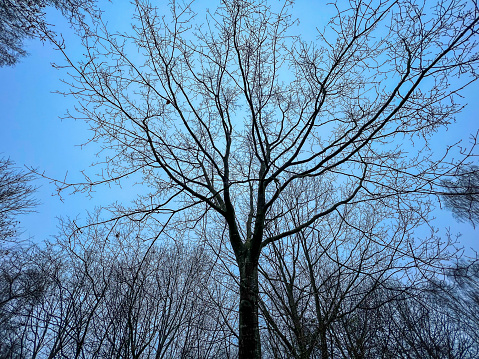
(33,134)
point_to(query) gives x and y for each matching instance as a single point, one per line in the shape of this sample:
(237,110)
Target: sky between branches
(33,135)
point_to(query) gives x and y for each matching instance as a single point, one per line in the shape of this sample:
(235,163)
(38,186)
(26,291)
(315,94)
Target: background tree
(97,295)
(27,277)
(459,293)
(15,199)
(25,19)
(222,118)
(462,194)
(324,290)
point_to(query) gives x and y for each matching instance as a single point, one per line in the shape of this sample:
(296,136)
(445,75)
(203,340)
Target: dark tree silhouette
(23,19)
(462,194)
(101,296)
(15,198)
(227,119)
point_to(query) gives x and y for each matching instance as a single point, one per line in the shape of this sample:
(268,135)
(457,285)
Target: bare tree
(24,19)
(462,194)
(15,198)
(322,288)
(28,279)
(458,295)
(425,326)
(221,118)
(97,295)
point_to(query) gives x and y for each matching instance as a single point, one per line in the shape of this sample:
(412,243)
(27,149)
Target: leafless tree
(425,327)
(25,19)
(98,295)
(222,117)
(322,288)
(131,298)
(16,193)
(462,194)
(27,283)
(458,295)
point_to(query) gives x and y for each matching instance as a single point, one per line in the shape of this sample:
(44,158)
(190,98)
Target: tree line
(113,291)
(108,296)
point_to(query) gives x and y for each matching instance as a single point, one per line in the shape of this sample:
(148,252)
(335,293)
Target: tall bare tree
(222,116)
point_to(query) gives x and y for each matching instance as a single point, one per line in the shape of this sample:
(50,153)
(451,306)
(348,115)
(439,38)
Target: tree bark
(249,338)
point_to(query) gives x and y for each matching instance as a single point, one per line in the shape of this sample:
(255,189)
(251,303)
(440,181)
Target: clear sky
(33,135)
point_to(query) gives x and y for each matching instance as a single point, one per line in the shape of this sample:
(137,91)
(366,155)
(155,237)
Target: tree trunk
(249,339)
(324,345)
